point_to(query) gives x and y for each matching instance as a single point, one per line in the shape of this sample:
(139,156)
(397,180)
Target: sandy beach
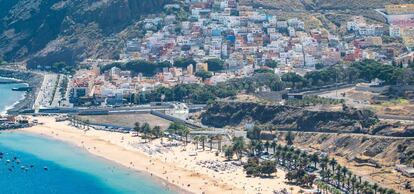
(190,169)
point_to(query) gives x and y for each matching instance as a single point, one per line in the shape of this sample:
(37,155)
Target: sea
(8,98)
(33,164)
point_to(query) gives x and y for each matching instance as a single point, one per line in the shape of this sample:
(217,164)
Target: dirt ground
(128,120)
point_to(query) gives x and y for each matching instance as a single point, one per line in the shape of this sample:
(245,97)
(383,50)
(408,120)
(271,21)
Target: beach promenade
(191,170)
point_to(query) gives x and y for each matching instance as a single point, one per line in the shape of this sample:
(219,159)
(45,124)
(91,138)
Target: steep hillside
(348,120)
(371,157)
(48,31)
(296,5)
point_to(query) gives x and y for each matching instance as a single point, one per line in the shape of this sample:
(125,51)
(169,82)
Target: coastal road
(117,110)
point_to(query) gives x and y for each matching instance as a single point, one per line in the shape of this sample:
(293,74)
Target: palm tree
(211,138)
(315,159)
(375,188)
(333,163)
(145,129)
(277,156)
(219,140)
(366,187)
(203,141)
(259,147)
(295,159)
(137,127)
(323,166)
(252,146)
(349,179)
(228,152)
(354,182)
(196,139)
(273,146)
(239,145)
(304,162)
(289,156)
(289,138)
(185,131)
(344,171)
(267,145)
(156,131)
(339,176)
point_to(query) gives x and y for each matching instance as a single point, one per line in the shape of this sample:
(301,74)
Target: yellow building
(202,67)
(399,9)
(409,42)
(376,41)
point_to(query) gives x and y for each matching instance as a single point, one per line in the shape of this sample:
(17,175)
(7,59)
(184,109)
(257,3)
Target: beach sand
(172,164)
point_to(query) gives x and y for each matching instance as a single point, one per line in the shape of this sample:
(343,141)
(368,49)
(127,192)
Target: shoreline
(10,80)
(26,77)
(15,103)
(172,165)
(155,179)
(12,106)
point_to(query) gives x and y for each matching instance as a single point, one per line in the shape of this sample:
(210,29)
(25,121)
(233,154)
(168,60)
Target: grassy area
(395,102)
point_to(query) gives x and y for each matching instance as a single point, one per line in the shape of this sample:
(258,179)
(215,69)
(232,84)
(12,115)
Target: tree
(145,129)
(203,141)
(271,63)
(333,163)
(254,133)
(184,62)
(344,171)
(210,140)
(228,152)
(289,138)
(315,159)
(273,145)
(319,66)
(203,74)
(215,65)
(293,78)
(196,139)
(178,129)
(259,147)
(354,183)
(264,71)
(185,131)
(375,188)
(219,138)
(239,145)
(156,131)
(137,127)
(267,145)
(268,167)
(252,171)
(252,167)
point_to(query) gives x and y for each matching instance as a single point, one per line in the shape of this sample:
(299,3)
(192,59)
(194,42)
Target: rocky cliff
(374,149)
(283,117)
(47,31)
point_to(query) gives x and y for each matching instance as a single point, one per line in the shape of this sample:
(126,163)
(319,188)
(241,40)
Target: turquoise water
(9,97)
(70,170)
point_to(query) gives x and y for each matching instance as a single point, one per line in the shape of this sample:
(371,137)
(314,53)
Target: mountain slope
(314,5)
(47,31)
